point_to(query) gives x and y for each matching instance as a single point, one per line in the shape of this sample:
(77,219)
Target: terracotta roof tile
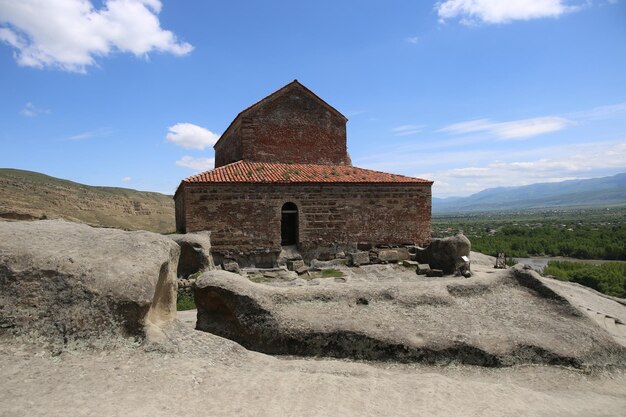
(276,173)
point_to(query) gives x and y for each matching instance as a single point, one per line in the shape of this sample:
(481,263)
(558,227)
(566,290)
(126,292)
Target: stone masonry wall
(229,148)
(246,218)
(293,128)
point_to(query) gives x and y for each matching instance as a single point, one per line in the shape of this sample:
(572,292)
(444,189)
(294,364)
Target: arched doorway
(289,224)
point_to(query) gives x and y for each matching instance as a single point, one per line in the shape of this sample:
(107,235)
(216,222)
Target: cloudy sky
(470,93)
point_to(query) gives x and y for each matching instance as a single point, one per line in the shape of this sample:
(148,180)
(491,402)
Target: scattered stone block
(358,258)
(270,274)
(392,254)
(340,255)
(230,266)
(422,269)
(434,273)
(295,264)
(302,270)
(410,264)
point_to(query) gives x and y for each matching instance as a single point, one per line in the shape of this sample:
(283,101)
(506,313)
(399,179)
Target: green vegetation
(583,234)
(608,278)
(331,273)
(185,301)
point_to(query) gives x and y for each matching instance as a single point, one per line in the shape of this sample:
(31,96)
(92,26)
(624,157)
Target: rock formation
(195,253)
(496,319)
(70,283)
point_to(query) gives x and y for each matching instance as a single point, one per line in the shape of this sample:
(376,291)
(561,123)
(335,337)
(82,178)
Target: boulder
(358,258)
(484,321)
(195,253)
(422,269)
(446,253)
(72,284)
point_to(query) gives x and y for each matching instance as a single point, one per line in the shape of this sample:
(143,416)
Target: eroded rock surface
(494,319)
(195,253)
(68,283)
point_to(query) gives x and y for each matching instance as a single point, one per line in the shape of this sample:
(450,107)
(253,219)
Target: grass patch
(331,273)
(608,278)
(185,301)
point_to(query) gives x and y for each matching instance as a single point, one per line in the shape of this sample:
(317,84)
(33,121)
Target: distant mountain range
(595,192)
(26,195)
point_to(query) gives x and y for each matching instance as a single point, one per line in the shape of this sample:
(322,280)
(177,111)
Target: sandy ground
(214,376)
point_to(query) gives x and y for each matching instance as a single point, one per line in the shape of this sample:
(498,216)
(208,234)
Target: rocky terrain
(26,195)
(387,312)
(87,328)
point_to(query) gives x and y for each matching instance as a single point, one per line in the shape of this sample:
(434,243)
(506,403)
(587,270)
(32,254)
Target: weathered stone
(410,264)
(270,274)
(195,253)
(340,255)
(446,254)
(71,283)
(422,269)
(230,266)
(363,321)
(358,258)
(302,270)
(434,273)
(391,254)
(317,264)
(295,264)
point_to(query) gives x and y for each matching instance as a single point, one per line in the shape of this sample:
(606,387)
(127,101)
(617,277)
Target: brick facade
(293,125)
(291,147)
(245,218)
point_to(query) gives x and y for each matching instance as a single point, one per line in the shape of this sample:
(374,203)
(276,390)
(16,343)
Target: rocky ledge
(496,318)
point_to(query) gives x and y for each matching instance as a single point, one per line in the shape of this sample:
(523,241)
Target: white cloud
(191,136)
(90,134)
(501,11)
(516,129)
(405,130)
(412,39)
(197,164)
(126,179)
(600,112)
(30,110)
(71,34)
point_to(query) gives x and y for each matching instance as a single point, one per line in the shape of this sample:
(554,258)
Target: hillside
(605,191)
(26,195)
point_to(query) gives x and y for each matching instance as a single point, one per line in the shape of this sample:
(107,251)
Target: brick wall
(246,218)
(293,128)
(229,147)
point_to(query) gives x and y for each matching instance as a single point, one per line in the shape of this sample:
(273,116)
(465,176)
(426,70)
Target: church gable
(292,125)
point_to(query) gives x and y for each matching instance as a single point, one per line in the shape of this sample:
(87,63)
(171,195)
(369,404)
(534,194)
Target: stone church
(283,176)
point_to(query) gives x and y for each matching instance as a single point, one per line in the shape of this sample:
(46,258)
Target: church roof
(280,173)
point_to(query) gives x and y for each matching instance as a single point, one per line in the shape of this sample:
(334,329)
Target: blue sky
(470,93)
